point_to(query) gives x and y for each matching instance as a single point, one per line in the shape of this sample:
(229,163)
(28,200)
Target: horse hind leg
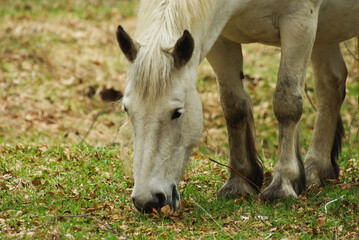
(330,74)
(226,59)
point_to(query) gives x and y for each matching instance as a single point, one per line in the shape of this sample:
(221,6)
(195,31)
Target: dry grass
(55,59)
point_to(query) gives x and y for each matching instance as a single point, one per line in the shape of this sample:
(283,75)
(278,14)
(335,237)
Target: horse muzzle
(156,201)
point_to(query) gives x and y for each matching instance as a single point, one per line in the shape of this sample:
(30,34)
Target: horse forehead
(175,94)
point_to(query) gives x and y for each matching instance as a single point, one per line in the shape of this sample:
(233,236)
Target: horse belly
(338,21)
(253,27)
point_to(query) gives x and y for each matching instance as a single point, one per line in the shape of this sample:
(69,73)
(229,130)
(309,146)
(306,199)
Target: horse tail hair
(339,132)
(337,145)
(257,175)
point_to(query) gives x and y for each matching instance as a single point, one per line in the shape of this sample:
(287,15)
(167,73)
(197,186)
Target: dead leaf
(52,210)
(321,221)
(44,148)
(333,181)
(154,214)
(93,209)
(36,182)
(94,192)
(166,210)
(154,211)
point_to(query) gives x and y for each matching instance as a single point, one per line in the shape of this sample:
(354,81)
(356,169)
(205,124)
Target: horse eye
(124,108)
(177,113)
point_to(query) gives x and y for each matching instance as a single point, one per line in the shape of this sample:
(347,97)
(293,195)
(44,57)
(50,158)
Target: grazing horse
(171,40)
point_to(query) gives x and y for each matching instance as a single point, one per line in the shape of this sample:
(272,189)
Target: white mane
(160,24)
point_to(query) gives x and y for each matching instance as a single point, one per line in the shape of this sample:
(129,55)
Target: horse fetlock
(279,188)
(285,183)
(318,174)
(235,187)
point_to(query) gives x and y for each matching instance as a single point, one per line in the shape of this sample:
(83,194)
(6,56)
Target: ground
(65,143)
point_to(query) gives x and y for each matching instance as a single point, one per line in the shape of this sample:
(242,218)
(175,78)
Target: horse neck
(224,10)
(162,22)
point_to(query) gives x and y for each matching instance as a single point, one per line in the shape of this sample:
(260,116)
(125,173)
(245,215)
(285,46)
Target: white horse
(174,36)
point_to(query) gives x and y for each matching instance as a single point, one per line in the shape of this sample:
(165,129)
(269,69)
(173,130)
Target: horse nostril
(157,202)
(175,193)
(134,204)
(161,198)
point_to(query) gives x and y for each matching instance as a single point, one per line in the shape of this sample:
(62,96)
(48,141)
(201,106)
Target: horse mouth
(160,201)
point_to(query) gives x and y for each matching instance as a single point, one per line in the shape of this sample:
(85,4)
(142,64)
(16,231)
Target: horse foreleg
(330,74)
(226,59)
(298,29)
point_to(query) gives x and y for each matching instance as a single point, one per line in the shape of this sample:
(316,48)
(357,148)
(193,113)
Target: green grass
(91,187)
(51,54)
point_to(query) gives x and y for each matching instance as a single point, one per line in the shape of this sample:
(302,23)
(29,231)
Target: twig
(95,119)
(351,123)
(350,52)
(91,126)
(334,200)
(114,231)
(269,236)
(64,127)
(309,99)
(120,128)
(241,175)
(204,210)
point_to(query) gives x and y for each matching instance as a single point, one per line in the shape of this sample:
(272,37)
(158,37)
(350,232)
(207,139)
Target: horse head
(165,112)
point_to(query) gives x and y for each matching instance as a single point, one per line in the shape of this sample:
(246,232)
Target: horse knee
(236,110)
(288,106)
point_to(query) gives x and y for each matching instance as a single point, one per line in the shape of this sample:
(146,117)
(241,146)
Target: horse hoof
(278,189)
(317,174)
(235,187)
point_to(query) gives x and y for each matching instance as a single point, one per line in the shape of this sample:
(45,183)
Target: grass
(52,55)
(86,188)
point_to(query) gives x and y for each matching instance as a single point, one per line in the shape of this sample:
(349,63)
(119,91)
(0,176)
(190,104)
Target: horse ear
(183,49)
(128,46)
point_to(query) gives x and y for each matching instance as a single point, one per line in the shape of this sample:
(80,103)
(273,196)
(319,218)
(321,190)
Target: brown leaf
(203,229)
(166,210)
(154,211)
(52,210)
(321,221)
(36,182)
(44,148)
(93,209)
(94,192)
(154,214)
(333,181)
